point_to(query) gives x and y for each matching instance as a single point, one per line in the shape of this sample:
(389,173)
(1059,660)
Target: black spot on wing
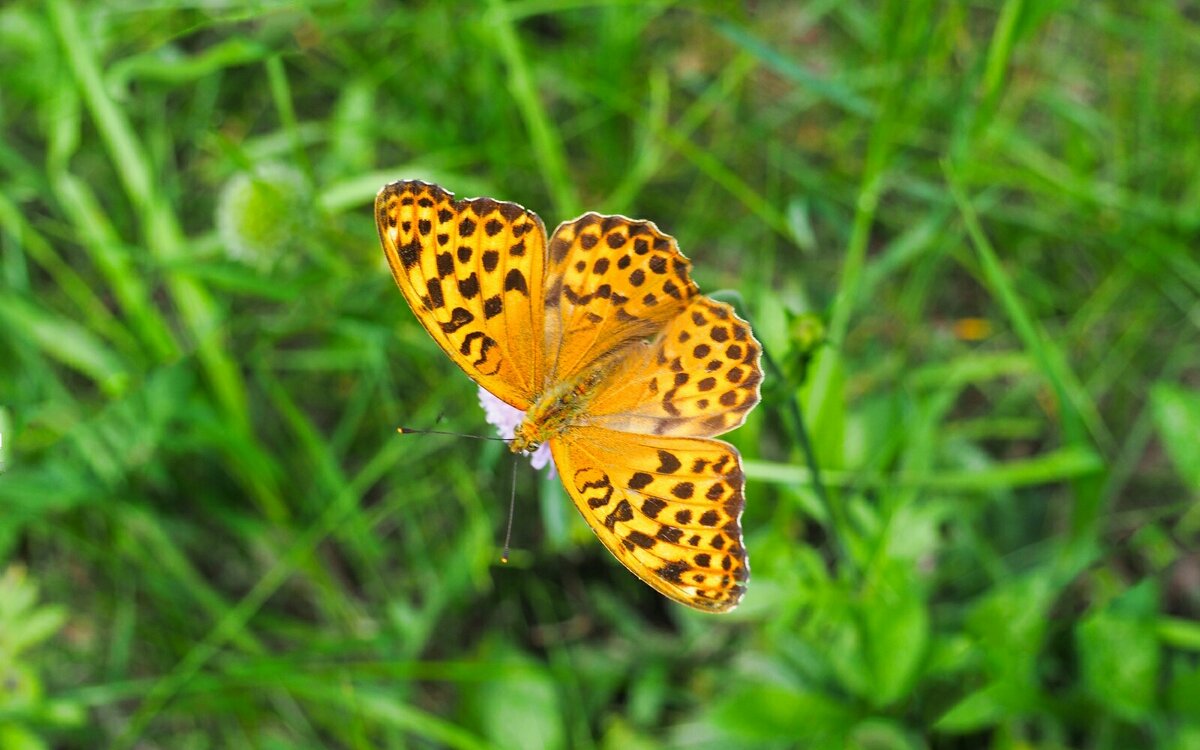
(669,464)
(683,490)
(511,211)
(559,249)
(459,317)
(640,539)
(436,300)
(469,286)
(483,206)
(515,281)
(409,254)
(652,507)
(622,513)
(670,534)
(672,571)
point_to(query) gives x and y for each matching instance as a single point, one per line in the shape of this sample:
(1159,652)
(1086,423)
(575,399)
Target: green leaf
(1177,417)
(766,712)
(620,735)
(16,737)
(63,340)
(1176,632)
(825,413)
(1011,617)
(35,627)
(881,734)
(1052,466)
(5,429)
(1008,624)
(846,654)
(1183,694)
(1187,737)
(978,710)
(896,625)
(237,278)
(1119,653)
(835,92)
(520,708)
(23,624)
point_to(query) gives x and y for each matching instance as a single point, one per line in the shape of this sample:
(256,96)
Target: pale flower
(506,419)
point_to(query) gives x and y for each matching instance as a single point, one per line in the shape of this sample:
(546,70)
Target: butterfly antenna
(512,505)
(413,431)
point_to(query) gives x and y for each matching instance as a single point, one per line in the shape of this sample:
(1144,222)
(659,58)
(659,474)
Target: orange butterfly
(618,362)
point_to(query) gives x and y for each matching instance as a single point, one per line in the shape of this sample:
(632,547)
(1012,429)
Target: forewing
(472,272)
(611,282)
(699,377)
(668,508)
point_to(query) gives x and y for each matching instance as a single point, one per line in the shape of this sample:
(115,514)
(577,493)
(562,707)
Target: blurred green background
(966,233)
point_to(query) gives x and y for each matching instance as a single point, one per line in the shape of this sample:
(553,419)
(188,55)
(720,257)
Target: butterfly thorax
(554,411)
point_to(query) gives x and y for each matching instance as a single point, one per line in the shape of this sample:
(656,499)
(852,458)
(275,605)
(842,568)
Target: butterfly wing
(667,507)
(611,282)
(472,272)
(698,378)
(664,500)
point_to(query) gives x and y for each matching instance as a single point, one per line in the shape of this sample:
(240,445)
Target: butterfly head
(525,438)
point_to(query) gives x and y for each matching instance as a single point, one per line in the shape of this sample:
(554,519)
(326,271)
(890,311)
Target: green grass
(211,535)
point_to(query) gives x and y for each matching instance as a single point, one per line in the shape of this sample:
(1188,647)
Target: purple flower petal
(500,414)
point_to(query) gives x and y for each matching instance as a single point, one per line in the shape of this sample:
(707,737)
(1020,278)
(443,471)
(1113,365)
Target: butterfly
(600,336)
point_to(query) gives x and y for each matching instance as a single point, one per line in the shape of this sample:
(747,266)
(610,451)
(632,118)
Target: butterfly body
(554,411)
(600,336)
